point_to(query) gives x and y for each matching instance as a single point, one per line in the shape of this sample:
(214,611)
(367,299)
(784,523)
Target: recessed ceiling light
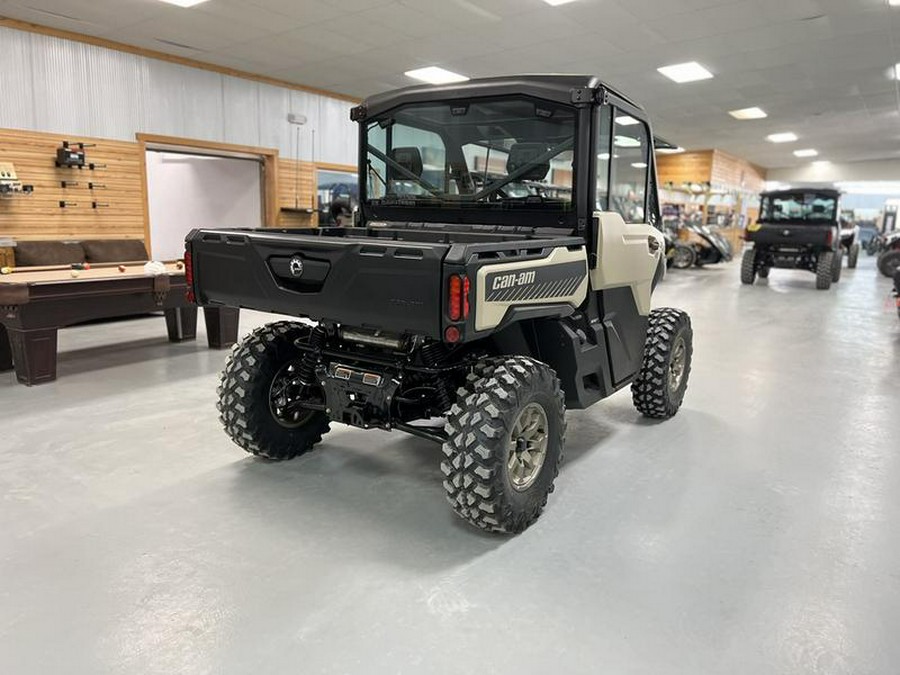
(686,72)
(639,165)
(435,75)
(896,72)
(748,114)
(670,151)
(554,3)
(894,3)
(627,142)
(183,3)
(626,121)
(809,152)
(786,137)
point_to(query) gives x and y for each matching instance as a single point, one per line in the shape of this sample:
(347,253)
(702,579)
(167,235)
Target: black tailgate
(389,285)
(791,235)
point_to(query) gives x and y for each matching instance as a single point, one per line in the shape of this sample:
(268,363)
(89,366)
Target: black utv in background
(797,229)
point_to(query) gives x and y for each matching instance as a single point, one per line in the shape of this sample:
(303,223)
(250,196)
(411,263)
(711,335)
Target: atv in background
(797,229)
(704,246)
(889,257)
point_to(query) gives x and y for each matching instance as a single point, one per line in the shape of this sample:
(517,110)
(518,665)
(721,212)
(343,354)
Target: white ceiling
(818,67)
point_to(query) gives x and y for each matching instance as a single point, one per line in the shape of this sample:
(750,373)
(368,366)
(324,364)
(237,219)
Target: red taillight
(452,334)
(465,297)
(458,297)
(830,238)
(189,278)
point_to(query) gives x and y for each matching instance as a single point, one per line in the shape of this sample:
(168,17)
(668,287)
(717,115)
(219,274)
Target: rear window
(799,208)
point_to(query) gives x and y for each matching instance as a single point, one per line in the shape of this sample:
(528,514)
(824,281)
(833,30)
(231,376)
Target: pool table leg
(6,362)
(221,326)
(181,323)
(34,354)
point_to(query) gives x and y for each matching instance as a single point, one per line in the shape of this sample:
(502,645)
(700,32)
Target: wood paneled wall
(722,170)
(685,167)
(296,189)
(38,216)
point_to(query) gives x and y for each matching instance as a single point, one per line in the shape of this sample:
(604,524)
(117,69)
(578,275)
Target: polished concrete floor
(758,532)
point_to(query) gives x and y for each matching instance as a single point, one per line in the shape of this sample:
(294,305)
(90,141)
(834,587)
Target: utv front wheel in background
(658,390)
(824,270)
(748,266)
(505,437)
(261,396)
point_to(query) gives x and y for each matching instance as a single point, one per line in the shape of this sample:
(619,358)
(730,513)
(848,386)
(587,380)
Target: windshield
(802,208)
(503,154)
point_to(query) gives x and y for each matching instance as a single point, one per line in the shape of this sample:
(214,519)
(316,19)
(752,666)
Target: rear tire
(748,266)
(825,270)
(838,266)
(658,390)
(505,438)
(889,262)
(853,256)
(249,406)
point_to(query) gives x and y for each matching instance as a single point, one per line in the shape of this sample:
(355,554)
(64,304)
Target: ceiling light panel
(784,137)
(809,152)
(435,75)
(686,72)
(555,3)
(183,3)
(748,113)
(626,121)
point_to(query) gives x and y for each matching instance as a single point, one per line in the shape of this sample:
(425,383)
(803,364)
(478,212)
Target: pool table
(36,302)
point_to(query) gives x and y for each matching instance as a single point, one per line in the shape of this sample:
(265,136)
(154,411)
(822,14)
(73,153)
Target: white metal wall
(55,85)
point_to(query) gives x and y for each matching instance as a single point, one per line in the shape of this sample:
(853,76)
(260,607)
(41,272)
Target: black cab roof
(567,89)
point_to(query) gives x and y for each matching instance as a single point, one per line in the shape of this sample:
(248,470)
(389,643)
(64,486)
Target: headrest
(818,208)
(522,154)
(410,159)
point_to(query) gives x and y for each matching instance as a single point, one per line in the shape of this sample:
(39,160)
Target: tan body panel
(625,257)
(505,285)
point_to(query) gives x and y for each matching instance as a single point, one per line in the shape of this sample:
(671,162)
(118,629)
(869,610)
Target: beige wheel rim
(527,446)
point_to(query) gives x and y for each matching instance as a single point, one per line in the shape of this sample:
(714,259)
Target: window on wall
(630,166)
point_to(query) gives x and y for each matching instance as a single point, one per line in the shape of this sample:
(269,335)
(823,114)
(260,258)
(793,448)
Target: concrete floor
(757,532)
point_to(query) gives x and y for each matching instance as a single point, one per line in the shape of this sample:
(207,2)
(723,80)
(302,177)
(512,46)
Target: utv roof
(565,89)
(825,192)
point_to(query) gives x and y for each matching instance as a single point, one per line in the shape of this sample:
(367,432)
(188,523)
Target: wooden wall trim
(28,27)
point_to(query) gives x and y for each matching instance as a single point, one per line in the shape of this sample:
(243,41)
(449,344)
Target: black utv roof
(566,89)
(825,192)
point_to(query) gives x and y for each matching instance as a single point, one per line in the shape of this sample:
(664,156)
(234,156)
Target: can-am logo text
(510,280)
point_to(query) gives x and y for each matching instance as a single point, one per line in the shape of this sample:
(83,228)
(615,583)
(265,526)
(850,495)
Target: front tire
(748,266)
(853,256)
(259,390)
(505,438)
(824,270)
(684,257)
(659,388)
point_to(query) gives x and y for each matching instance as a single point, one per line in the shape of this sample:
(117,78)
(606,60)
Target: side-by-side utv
(500,271)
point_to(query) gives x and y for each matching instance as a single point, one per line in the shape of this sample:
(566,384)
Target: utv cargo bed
(392,273)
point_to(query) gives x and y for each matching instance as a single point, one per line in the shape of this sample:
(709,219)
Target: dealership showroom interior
(450,336)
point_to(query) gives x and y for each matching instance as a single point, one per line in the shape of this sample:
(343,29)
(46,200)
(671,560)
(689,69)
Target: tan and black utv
(500,270)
